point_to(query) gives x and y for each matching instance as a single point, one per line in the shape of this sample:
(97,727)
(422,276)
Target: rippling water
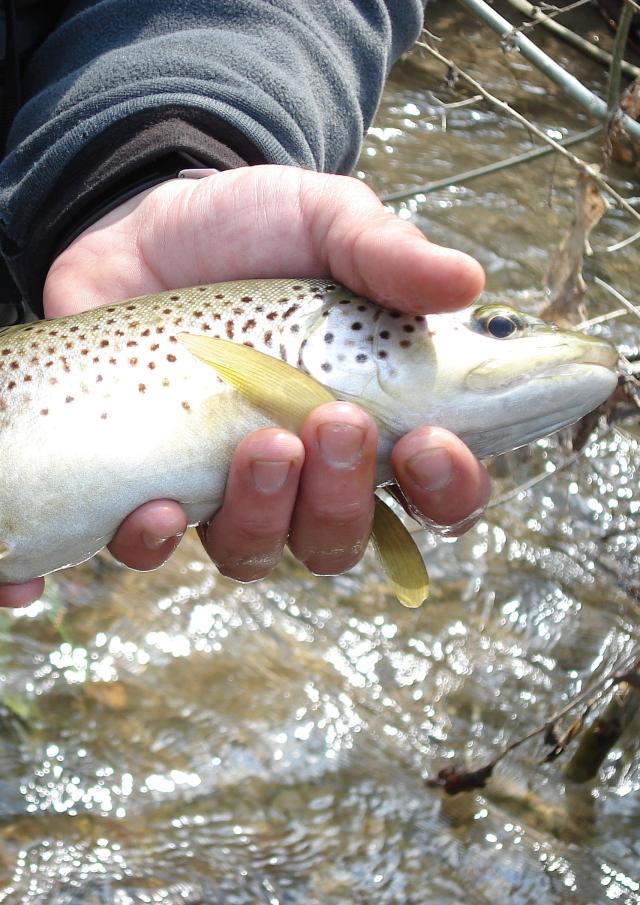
(175,738)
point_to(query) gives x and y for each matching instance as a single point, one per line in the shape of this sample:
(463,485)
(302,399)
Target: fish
(147,399)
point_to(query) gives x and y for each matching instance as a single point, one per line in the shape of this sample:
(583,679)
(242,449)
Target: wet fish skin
(105,410)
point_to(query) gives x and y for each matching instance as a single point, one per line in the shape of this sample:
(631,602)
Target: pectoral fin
(288,396)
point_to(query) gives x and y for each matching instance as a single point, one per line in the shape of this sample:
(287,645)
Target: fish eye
(499,324)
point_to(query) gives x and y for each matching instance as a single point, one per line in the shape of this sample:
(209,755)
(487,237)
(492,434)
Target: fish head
(495,376)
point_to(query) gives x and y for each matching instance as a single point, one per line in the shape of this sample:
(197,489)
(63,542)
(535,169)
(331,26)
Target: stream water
(175,738)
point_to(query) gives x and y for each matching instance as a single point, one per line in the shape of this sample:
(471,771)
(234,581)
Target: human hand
(314,492)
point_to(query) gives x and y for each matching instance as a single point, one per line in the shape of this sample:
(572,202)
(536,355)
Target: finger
(148,536)
(440,476)
(246,536)
(334,511)
(17,595)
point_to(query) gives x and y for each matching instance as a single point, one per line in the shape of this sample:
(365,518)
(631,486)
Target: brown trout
(105,410)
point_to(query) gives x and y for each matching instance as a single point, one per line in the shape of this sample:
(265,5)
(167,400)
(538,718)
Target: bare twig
(618,295)
(622,33)
(496,167)
(502,105)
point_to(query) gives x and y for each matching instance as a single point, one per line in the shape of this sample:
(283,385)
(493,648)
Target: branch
(569,83)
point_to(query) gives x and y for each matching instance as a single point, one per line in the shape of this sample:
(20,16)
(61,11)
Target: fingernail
(340,444)
(432,469)
(153,542)
(269,476)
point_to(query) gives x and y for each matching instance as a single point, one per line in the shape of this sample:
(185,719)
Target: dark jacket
(117,95)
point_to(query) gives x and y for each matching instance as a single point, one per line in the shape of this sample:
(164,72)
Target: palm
(267,222)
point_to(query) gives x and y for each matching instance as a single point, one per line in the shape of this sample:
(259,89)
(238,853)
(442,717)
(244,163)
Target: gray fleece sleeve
(119,88)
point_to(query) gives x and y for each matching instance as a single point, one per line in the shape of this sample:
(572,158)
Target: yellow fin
(400,557)
(289,395)
(274,386)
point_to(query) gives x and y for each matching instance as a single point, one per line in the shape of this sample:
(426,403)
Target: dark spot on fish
(326,366)
(111,320)
(329,287)
(268,337)
(99,378)
(134,324)
(27,378)
(159,330)
(362,307)
(326,313)
(53,332)
(345,301)
(219,296)
(408,328)
(272,315)
(172,339)
(395,314)
(112,361)
(131,308)
(284,301)
(246,298)
(229,326)
(48,364)
(419,318)
(197,313)
(361,357)
(248,343)
(104,343)
(171,358)
(141,387)
(44,411)
(237,311)
(151,365)
(6,351)
(68,345)
(95,359)
(65,364)
(295,328)
(35,346)
(14,365)
(131,343)
(146,332)
(84,352)
(154,346)
(111,310)
(216,315)
(178,321)
(120,333)
(356,325)
(328,337)
(405,343)
(297,288)
(133,361)
(283,352)
(382,353)
(69,399)
(384,334)
(259,308)
(166,310)
(186,406)
(50,350)
(53,381)
(249,325)
(104,416)
(204,327)
(202,288)
(74,329)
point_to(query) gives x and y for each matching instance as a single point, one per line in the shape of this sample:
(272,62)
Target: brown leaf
(457,779)
(565,285)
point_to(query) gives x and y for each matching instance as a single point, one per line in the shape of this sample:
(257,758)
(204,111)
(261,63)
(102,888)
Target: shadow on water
(175,738)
